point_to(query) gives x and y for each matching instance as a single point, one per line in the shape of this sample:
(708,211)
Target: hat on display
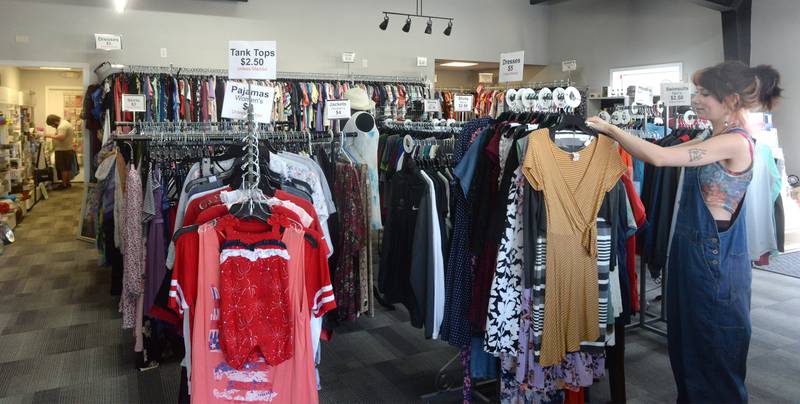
(359,100)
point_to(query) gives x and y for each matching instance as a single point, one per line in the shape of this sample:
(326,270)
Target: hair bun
(769,88)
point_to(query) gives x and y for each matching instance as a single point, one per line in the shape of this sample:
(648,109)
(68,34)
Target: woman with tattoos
(708,278)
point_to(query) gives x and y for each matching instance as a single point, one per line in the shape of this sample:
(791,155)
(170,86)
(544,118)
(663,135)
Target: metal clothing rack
(643,321)
(199,71)
(536,85)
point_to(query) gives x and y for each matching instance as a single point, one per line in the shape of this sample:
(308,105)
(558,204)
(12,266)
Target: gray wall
(311,34)
(602,35)
(775,32)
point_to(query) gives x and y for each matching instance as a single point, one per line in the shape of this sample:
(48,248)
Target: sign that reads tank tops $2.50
(238,98)
(252,60)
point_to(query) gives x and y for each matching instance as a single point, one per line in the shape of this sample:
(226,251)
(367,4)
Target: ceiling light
(449,28)
(459,64)
(407,26)
(119,5)
(55,68)
(429,26)
(384,23)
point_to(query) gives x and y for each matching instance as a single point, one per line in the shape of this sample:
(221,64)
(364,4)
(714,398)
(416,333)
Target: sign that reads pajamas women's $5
(238,98)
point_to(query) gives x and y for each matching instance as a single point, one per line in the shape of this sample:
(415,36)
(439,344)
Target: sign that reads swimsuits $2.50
(252,60)
(676,94)
(238,98)
(511,66)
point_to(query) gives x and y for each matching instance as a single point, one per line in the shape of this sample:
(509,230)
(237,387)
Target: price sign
(511,65)
(237,99)
(462,103)
(569,65)
(338,109)
(676,94)
(252,60)
(107,42)
(133,102)
(433,106)
(348,57)
(643,96)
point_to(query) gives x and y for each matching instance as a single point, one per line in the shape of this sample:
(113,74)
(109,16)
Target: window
(648,76)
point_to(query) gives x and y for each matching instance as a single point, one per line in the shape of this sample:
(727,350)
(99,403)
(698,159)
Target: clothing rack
(197,71)
(645,323)
(536,85)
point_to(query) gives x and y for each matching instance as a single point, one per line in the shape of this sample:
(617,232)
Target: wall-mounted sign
(107,42)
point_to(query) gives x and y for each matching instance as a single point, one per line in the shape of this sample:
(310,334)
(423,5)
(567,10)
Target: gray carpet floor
(60,336)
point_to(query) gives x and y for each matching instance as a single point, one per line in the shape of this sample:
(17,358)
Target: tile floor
(60,336)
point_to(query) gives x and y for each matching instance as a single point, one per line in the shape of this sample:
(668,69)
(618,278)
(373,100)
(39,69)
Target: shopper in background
(708,278)
(62,141)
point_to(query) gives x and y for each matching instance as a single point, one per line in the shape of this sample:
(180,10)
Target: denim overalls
(708,302)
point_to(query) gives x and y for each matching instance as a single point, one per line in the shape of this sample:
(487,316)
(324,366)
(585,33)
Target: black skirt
(64,159)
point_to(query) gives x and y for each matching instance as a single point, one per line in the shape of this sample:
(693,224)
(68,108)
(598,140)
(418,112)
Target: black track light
(429,27)
(449,28)
(407,26)
(384,23)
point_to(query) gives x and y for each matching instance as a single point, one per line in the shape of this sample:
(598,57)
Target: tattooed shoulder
(696,154)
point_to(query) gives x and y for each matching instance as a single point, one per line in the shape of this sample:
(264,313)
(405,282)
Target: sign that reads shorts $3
(252,60)
(238,99)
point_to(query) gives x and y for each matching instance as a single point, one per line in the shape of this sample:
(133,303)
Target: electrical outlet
(364,63)
(163,52)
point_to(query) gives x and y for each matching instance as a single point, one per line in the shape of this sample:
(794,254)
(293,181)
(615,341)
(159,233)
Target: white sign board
(676,94)
(462,103)
(569,65)
(107,42)
(237,98)
(338,109)
(133,102)
(511,66)
(433,106)
(252,60)
(485,77)
(643,96)
(348,57)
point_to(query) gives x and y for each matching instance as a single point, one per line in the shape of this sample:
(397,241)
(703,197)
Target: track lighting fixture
(418,14)
(449,28)
(407,26)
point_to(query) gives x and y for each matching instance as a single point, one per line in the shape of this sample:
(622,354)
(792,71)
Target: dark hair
(52,119)
(756,86)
